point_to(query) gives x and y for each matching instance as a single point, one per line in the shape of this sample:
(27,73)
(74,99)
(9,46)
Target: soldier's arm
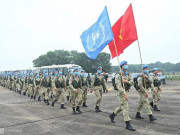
(119,84)
(92,82)
(131,82)
(41,81)
(20,81)
(53,85)
(140,84)
(64,81)
(87,82)
(151,79)
(70,83)
(80,82)
(104,82)
(34,82)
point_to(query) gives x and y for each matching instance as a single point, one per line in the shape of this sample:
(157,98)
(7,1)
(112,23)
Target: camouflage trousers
(156,95)
(46,90)
(123,106)
(10,84)
(143,101)
(38,91)
(84,94)
(68,92)
(25,88)
(30,90)
(76,95)
(98,90)
(59,93)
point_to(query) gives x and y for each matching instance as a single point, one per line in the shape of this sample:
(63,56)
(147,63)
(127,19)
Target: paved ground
(20,115)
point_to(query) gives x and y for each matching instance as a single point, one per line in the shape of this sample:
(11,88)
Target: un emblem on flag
(96,38)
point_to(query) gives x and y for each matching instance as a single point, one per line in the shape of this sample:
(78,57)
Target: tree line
(60,57)
(165,67)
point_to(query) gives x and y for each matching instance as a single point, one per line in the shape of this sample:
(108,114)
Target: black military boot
(151,118)
(84,104)
(24,93)
(39,98)
(129,127)
(34,97)
(31,96)
(20,92)
(62,106)
(67,98)
(111,116)
(97,109)
(78,109)
(52,104)
(51,96)
(138,115)
(155,108)
(74,111)
(152,104)
(47,101)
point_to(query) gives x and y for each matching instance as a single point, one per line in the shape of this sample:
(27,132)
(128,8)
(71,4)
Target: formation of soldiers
(76,86)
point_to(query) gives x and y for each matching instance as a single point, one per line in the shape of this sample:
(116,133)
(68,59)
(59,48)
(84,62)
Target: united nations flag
(97,36)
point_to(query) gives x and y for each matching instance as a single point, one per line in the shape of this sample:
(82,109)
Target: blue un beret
(145,66)
(75,69)
(99,68)
(123,62)
(155,69)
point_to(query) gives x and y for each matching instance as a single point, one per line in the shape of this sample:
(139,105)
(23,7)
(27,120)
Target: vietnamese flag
(124,31)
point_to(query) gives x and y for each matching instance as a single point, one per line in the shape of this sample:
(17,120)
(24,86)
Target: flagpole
(118,61)
(139,47)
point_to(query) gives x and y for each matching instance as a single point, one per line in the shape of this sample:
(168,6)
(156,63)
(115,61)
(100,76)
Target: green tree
(59,57)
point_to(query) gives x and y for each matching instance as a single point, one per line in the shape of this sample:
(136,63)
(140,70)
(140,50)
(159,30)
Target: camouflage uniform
(25,85)
(97,84)
(75,83)
(123,104)
(37,88)
(46,86)
(31,86)
(68,89)
(58,85)
(144,84)
(155,86)
(85,87)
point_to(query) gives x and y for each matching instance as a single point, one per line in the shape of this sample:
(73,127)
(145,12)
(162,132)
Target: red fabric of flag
(124,31)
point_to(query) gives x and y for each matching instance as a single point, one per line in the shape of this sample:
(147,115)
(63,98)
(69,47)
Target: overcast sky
(30,28)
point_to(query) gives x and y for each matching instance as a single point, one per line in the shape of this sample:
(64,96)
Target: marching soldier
(25,86)
(97,84)
(123,83)
(46,84)
(85,88)
(31,85)
(75,84)
(21,82)
(59,84)
(155,89)
(68,89)
(144,84)
(37,87)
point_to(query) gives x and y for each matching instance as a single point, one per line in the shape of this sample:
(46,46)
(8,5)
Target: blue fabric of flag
(96,38)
